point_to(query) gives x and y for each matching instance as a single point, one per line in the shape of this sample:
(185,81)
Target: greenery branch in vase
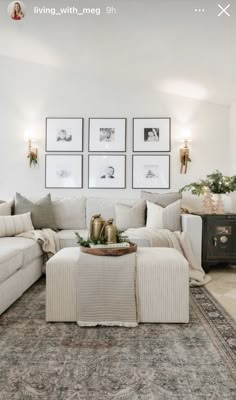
(33,158)
(216,183)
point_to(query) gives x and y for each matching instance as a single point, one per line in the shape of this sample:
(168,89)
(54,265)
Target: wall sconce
(32,151)
(185,154)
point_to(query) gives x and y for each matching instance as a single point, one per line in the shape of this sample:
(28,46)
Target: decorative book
(110,246)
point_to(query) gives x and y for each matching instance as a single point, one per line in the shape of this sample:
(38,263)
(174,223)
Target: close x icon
(224,10)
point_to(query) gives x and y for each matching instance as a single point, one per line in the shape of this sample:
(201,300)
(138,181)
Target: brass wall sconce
(32,151)
(185,156)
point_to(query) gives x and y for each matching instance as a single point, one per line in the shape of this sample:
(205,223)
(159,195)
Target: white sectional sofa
(20,266)
(21,259)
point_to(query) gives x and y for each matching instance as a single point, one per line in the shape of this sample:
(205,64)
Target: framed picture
(151,172)
(107,172)
(64,171)
(64,134)
(107,134)
(151,134)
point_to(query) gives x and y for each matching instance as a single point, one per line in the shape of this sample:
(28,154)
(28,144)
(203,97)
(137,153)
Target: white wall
(233,139)
(31,92)
(232,150)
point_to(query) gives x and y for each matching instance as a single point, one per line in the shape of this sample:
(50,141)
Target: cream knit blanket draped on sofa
(177,240)
(48,241)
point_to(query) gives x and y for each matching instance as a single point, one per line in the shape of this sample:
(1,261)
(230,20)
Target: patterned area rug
(60,361)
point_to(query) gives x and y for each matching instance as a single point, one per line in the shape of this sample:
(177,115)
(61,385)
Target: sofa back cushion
(12,225)
(70,212)
(41,211)
(128,216)
(104,206)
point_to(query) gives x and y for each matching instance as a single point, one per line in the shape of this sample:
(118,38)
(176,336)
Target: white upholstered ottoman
(162,285)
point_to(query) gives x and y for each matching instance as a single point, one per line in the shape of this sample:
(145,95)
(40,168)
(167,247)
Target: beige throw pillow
(41,211)
(130,216)
(162,199)
(5,208)
(164,218)
(14,224)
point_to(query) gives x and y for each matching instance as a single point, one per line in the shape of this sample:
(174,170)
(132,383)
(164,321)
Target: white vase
(227,201)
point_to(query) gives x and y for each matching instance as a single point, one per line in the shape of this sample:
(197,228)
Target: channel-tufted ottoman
(162,285)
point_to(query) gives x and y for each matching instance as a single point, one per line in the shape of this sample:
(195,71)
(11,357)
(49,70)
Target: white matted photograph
(151,134)
(107,134)
(63,171)
(107,171)
(151,172)
(64,134)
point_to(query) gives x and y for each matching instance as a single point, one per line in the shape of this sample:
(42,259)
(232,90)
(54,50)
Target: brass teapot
(97,225)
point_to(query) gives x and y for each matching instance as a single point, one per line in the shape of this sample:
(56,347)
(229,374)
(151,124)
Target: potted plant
(219,185)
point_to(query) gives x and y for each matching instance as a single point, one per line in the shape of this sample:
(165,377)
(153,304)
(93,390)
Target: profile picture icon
(16,10)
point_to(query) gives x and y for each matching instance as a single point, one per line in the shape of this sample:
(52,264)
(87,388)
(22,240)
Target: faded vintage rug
(61,361)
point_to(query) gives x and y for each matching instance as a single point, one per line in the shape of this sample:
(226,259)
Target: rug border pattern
(227,352)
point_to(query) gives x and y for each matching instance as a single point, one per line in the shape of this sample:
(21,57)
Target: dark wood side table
(218,239)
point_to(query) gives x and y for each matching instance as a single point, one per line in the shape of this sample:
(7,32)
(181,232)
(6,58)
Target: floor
(61,361)
(223,287)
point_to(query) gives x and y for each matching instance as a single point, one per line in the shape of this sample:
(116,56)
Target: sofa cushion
(12,225)
(164,217)
(104,206)
(10,262)
(70,212)
(41,211)
(5,208)
(28,248)
(130,216)
(67,237)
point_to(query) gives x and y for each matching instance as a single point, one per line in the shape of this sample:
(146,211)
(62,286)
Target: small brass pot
(110,232)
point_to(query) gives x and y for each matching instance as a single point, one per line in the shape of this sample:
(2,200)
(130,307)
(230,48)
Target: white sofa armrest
(192,225)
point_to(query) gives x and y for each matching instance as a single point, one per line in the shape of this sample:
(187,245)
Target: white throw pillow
(69,212)
(5,208)
(14,224)
(130,216)
(164,218)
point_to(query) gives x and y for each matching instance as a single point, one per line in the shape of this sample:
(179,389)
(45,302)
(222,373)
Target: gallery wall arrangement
(64,145)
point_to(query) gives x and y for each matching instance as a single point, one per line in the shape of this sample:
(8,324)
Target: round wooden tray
(113,252)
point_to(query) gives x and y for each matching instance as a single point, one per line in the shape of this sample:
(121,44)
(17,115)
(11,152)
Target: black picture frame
(47,156)
(123,156)
(145,149)
(123,150)
(65,150)
(149,156)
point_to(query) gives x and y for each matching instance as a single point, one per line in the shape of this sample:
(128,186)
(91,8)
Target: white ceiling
(163,44)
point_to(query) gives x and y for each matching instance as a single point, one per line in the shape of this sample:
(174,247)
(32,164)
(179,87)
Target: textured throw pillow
(70,213)
(5,208)
(163,199)
(41,212)
(12,225)
(130,216)
(164,218)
